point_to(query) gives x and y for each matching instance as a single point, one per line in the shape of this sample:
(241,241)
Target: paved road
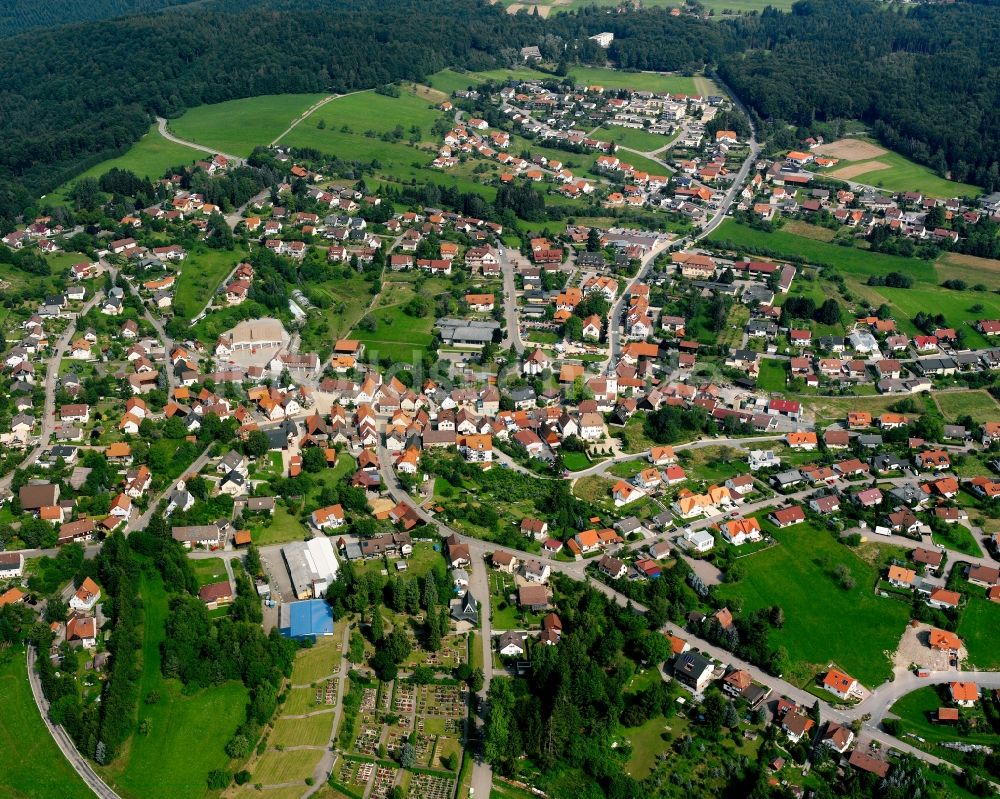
(512,335)
(143,521)
(166,134)
(48,421)
(62,739)
(618,309)
(482,772)
(325,766)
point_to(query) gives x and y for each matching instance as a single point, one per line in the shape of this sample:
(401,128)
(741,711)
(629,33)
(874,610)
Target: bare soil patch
(851,149)
(855,170)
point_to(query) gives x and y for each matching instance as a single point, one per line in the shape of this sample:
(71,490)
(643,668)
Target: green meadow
(822,617)
(165,764)
(32,767)
(150,157)
(237,126)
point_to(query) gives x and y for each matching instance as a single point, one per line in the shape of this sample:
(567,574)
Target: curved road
(166,134)
(62,739)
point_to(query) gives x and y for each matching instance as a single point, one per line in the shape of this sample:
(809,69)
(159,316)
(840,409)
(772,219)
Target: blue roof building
(309,618)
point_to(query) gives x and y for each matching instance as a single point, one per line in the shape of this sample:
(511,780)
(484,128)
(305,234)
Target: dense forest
(925,79)
(17,16)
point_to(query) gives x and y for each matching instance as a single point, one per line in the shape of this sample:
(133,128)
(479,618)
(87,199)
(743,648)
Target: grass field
(822,619)
(772,375)
(201,273)
(32,766)
(150,157)
(980,405)
(318,661)
(450,80)
(850,260)
(164,764)
(309,731)
(978,628)
(896,172)
(275,768)
(917,711)
(647,744)
(639,81)
(398,335)
(237,126)
(972,270)
(301,700)
(353,128)
(633,138)
(210,570)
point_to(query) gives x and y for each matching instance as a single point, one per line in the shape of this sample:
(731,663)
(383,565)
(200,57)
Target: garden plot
(426,786)
(368,739)
(449,701)
(405,699)
(385,778)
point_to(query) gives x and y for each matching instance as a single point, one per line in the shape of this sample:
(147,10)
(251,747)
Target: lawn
(647,744)
(822,619)
(896,172)
(450,80)
(210,570)
(275,768)
(309,731)
(284,527)
(200,276)
(639,81)
(318,661)
(576,461)
(301,700)
(980,405)
(633,138)
(850,260)
(958,538)
(593,488)
(149,157)
(38,770)
(772,375)
(164,764)
(978,629)
(237,126)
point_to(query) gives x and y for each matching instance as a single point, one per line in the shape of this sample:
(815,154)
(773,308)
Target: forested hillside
(17,16)
(926,79)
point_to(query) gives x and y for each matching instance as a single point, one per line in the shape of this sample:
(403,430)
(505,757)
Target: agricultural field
(978,629)
(237,126)
(821,615)
(149,157)
(973,270)
(39,770)
(980,405)
(864,161)
(164,765)
(639,81)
